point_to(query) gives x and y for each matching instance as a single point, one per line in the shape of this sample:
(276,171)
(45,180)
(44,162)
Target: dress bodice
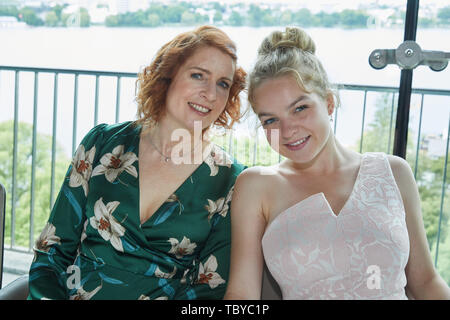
(361,253)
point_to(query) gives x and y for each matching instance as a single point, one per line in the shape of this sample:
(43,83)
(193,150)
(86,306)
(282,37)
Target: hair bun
(291,38)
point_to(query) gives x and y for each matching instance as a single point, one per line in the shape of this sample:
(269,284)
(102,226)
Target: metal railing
(251,150)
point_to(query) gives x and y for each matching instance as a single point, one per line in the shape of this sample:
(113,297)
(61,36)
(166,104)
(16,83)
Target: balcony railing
(365,122)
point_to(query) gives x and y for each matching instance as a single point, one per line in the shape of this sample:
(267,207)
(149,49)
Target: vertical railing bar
(54,125)
(444,179)
(75,114)
(336,115)
(96,100)
(389,151)
(335,120)
(15,143)
(363,118)
(118,99)
(255,146)
(230,143)
(418,139)
(33,159)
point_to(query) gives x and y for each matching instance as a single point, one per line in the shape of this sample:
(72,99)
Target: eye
(197,76)
(268,122)
(224,84)
(300,108)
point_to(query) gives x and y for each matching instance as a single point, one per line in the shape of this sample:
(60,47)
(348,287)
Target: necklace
(166,158)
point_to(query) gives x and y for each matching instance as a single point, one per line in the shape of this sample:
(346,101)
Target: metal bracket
(408,56)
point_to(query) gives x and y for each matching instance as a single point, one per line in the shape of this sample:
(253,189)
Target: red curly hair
(153,82)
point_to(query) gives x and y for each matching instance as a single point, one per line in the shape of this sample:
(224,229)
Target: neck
(176,143)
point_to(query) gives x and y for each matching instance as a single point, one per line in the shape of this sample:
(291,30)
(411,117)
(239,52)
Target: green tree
(352,18)
(255,16)
(188,18)
(51,20)
(235,19)
(444,15)
(112,21)
(153,20)
(30,17)
(23,178)
(85,19)
(286,18)
(304,18)
(218,17)
(327,19)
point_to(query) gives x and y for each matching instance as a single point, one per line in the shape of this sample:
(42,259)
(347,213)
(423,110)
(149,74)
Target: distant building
(10,22)
(435,145)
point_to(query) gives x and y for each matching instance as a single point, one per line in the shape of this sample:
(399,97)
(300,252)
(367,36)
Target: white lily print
(113,164)
(164,275)
(85,295)
(106,224)
(216,158)
(207,273)
(180,249)
(144,297)
(47,238)
(82,168)
(219,206)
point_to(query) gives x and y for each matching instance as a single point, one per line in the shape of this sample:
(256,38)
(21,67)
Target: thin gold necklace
(166,158)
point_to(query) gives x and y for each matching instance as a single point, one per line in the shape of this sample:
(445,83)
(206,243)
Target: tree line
(238,14)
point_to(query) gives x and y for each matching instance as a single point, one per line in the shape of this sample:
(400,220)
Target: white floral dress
(94,246)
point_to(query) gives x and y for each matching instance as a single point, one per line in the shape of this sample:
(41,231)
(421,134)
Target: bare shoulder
(406,183)
(253,188)
(255,177)
(400,168)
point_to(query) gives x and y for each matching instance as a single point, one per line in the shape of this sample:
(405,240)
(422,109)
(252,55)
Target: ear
(330,103)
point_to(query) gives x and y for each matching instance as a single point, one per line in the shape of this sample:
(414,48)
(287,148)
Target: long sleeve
(214,261)
(56,248)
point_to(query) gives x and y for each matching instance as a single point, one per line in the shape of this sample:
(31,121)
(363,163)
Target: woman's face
(199,90)
(296,122)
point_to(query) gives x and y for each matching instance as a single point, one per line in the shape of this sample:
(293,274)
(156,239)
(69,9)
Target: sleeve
(56,247)
(214,259)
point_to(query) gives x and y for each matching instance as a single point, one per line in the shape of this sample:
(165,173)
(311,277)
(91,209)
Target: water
(344,54)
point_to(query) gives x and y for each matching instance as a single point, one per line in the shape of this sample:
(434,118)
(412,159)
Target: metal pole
(404,98)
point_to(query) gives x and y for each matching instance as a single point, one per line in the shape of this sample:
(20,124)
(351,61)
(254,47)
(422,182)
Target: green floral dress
(94,246)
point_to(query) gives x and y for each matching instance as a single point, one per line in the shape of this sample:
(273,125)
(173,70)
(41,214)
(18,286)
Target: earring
(331,118)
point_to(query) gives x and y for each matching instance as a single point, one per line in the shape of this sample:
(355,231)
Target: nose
(288,129)
(209,91)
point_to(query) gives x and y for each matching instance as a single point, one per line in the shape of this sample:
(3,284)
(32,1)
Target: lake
(343,52)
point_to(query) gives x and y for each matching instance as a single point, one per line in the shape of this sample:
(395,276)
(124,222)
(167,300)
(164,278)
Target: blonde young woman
(330,223)
(142,215)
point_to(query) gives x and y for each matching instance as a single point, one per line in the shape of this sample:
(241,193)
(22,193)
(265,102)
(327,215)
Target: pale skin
(198,93)
(321,164)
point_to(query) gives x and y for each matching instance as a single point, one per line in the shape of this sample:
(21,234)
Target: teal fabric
(94,246)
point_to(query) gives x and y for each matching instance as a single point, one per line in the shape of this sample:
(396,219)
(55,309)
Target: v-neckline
(333,214)
(322,195)
(155,213)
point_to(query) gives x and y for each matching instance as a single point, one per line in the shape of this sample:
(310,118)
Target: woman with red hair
(143,210)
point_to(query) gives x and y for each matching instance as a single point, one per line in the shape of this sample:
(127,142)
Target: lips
(199,108)
(297,144)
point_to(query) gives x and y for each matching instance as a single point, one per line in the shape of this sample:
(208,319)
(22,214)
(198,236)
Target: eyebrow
(209,72)
(293,103)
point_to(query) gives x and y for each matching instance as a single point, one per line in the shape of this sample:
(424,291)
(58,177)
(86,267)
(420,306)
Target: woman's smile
(298,144)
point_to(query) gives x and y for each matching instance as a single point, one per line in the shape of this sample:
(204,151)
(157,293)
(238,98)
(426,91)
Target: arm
(57,245)
(248,225)
(423,280)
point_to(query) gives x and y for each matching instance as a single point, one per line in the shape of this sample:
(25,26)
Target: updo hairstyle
(291,52)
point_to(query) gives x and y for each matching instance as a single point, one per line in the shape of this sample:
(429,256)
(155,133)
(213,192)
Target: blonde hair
(291,52)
